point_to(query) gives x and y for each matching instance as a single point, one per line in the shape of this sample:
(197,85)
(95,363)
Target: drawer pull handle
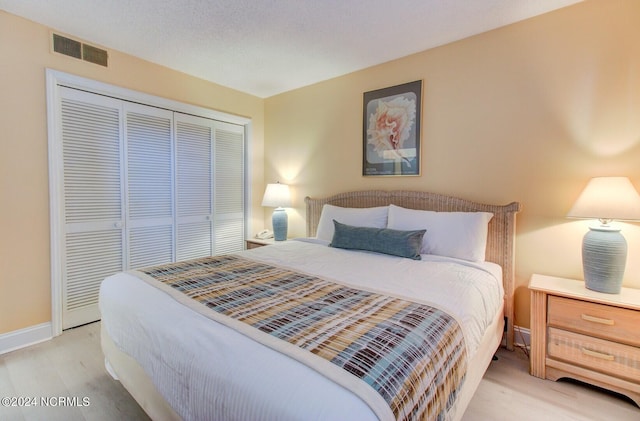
(593,319)
(595,354)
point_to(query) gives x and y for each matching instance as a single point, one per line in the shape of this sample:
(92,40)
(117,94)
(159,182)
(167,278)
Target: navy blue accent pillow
(380,240)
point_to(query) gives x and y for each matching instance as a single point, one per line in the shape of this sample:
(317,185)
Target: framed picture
(391,130)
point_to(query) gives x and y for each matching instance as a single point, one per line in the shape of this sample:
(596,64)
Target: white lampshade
(604,249)
(607,198)
(277,196)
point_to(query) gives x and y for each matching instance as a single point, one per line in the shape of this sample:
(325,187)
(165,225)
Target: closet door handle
(600,320)
(595,354)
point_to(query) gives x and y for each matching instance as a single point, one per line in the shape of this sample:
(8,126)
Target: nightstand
(253,243)
(585,335)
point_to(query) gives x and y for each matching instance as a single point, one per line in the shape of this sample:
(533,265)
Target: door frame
(54,79)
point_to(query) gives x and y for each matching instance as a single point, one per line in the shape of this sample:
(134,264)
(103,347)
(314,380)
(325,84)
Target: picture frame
(391,135)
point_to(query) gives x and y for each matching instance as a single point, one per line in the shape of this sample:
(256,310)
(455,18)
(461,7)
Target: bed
(181,359)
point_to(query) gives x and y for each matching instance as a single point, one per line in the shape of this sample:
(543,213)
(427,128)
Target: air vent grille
(67,46)
(94,55)
(76,49)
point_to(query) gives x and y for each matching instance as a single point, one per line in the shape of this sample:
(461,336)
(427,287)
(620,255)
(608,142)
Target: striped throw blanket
(406,360)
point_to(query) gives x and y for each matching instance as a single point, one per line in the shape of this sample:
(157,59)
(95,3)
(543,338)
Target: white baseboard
(522,336)
(24,337)
(35,334)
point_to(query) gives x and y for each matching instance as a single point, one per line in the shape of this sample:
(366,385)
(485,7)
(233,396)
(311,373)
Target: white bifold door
(136,186)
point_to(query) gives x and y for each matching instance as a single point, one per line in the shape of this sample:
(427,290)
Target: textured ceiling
(272,46)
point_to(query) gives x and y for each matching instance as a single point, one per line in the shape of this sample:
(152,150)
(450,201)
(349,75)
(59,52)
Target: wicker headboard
(500,239)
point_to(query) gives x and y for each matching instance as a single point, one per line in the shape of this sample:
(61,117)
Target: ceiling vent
(76,49)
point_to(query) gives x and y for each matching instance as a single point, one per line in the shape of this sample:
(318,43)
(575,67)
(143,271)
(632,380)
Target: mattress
(205,370)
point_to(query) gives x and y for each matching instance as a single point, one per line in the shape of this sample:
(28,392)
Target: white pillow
(462,235)
(357,217)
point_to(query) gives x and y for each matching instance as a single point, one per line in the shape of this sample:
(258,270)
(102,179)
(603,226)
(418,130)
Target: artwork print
(391,130)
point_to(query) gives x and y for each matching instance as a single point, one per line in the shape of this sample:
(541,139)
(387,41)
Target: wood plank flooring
(508,392)
(71,367)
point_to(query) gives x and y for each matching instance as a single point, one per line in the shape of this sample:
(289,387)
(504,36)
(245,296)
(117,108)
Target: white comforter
(207,371)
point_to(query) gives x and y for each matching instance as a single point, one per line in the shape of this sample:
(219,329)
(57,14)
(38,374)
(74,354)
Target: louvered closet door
(194,188)
(135,186)
(149,186)
(229,188)
(93,200)
(210,187)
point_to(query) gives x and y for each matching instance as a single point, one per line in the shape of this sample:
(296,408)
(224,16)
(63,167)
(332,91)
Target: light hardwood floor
(72,366)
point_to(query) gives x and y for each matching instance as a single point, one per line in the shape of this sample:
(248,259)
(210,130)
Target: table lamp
(604,249)
(278,196)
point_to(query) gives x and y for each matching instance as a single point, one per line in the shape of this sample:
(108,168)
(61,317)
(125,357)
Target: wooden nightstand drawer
(608,322)
(585,335)
(621,361)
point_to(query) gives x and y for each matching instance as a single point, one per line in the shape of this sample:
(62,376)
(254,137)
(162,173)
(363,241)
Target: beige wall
(524,113)
(25,294)
(527,112)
